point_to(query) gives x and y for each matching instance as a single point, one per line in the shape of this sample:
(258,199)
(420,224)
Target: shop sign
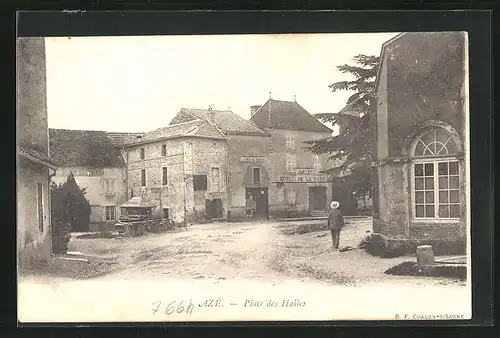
(305,171)
(252,159)
(302,178)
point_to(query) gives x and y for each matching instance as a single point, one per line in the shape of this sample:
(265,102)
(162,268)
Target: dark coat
(335,219)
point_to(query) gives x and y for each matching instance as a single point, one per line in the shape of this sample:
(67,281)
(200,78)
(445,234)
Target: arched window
(435,175)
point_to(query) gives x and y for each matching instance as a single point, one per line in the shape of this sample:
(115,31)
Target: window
(436,178)
(256,175)
(110,213)
(291,162)
(280,192)
(215,179)
(143,177)
(290,194)
(41,215)
(164,176)
(200,182)
(109,186)
(317,163)
(141,153)
(290,142)
(164,150)
(166,213)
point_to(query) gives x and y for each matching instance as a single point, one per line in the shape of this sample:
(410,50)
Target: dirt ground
(245,250)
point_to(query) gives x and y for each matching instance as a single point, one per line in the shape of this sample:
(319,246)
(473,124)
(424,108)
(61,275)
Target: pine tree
(351,148)
(69,205)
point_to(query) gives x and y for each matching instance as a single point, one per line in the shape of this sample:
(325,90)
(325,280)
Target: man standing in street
(335,223)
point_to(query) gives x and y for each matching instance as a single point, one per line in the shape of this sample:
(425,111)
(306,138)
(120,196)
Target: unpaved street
(236,263)
(245,250)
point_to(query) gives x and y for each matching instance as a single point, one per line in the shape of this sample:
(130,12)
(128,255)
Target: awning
(138,202)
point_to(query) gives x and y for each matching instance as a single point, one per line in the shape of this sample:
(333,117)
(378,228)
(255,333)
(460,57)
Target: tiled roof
(225,120)
(287,115)
(196,127)
(123,138)
(86,148)
(36,156)
(138,202)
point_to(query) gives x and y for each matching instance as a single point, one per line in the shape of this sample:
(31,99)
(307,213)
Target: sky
(139,83)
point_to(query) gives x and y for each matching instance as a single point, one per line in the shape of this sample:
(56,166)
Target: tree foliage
(69,205)
(351,148)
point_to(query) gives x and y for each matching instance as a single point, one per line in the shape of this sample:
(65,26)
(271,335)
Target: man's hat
(334,205)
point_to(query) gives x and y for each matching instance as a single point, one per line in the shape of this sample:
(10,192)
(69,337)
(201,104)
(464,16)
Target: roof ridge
(173,125)
(79,130)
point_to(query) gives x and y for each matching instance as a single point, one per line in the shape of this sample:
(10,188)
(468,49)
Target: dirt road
(236,264)
(243,250)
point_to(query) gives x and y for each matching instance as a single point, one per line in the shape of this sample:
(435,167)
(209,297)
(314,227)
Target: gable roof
(225,120)
(83,148)
(194,128)
(287,115)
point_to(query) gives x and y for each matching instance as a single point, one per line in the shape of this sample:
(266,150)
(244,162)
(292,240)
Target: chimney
(253,110)
(211,115)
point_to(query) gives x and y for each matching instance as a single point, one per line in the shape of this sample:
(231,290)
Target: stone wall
(425,75)
(33,246)
(238,147)
(305,160)
(421,82)
(32,123)
(185,157)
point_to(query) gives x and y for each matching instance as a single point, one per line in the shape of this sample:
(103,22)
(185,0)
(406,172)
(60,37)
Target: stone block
(425,256)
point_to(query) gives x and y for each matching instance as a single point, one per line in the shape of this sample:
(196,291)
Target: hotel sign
(302,178)
(252,159)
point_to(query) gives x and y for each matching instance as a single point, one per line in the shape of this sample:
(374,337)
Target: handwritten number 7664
(173,307)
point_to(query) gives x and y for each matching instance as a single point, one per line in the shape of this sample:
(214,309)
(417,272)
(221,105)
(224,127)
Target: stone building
(247,158)
(296,184)
(420,145)
(97,165)
(34,166)
(181,169)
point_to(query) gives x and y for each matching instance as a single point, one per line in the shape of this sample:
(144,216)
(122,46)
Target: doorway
(260,196)
(213,209)
(317,198)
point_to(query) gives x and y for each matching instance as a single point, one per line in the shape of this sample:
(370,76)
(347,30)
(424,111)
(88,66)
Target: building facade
(98,167)
(420,146)
(181,169)
(34,167)
(247,157)
(297,185)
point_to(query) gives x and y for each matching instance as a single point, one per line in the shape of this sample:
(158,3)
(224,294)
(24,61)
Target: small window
(290,142)
(200,182)
(40,206)
(291,162)
(215,179)
(110,213)
(109,186)
(143,177)
(166,213)
(142,153)
(280,192)
(256,175)
(317,163)
(164,150)
(164,176)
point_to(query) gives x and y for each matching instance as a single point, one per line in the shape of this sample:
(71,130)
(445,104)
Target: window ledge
(433,220)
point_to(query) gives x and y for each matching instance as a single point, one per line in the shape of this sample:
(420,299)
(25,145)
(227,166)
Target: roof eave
(47,163)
